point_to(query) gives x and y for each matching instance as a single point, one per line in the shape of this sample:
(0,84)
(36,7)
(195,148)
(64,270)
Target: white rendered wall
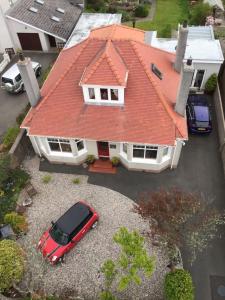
(5,38)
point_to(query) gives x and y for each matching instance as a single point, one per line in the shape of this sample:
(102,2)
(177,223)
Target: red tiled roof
(107,68)
(148,113)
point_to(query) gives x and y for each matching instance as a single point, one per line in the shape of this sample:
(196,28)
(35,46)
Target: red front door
(103,149)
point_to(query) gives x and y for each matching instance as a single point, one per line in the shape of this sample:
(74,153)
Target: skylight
(40,2)
(55,19)
(33,9)
(60,10)
(157,72)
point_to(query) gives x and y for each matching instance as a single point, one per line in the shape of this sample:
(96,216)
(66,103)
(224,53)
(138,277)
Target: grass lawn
(168,14)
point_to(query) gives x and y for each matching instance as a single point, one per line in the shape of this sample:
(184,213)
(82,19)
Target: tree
(178,285)
(133,259)
(211,83)
(199,13)
(96,5)
(11,264)
(182,219)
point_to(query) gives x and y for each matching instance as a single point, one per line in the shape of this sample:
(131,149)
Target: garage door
(30,41)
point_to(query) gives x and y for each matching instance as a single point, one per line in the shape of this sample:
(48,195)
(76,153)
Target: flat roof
(73,217)
(89,21)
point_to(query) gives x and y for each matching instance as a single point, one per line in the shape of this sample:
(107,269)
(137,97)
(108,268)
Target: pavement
(12,105)
(200,170)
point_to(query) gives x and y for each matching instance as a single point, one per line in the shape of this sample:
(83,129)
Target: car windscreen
(7,80)
(59,236)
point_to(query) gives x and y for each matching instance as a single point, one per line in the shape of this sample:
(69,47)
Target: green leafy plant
(10,136)
(76,181)
(90,159)
(199,13)
(4,168)
(115,161)
(133,259)
(178,285)
(12,264)
(211,83)
(141,11)
(18,222)
(46,179)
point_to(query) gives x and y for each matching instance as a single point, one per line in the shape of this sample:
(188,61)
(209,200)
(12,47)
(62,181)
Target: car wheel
(94,224)
(61,259)
(38,72)
(22,88)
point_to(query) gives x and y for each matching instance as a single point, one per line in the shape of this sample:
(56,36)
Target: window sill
(61,154)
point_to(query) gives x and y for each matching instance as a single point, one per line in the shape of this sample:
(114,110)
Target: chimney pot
(21,56)
(189,61)
(185,23)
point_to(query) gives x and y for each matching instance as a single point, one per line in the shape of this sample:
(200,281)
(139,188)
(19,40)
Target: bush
(11,264)
(10,136)
(199,13)
(126,17)
(18,222)
(178,285)
(96,5)
(76,180)
(90,159)
(141,11)
(211,83)
(46,179)
(22,115)
(4,168)
(115,161)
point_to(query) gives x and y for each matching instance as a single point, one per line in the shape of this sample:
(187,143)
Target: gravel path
(80,274)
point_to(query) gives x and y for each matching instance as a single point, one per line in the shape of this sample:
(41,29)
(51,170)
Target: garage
(30,41)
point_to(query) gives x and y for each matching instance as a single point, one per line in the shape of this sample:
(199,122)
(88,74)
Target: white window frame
(144,147)
(194,77)
(84,146)
(59,142)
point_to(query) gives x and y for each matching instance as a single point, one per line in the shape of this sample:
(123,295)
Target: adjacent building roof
(89,21)
(217,3)
(147,115)
(201,44)
(56,17)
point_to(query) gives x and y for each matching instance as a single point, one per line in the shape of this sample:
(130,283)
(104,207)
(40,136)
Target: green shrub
(90,159)
(96,5)
(45,74)
(22,115)
(141,11)
(10,136)
(115,161)
(76,180)
(4,168)
(211,83)
(46,179)
(11,264)
(199,13)
(126,17)
(18,222)
(178,285)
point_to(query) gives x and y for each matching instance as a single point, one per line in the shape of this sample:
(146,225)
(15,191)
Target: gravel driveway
(80,273)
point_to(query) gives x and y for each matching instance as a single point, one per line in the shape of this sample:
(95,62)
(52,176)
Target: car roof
(13,71)
(73,217)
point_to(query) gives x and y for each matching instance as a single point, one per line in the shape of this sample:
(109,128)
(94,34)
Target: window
(91,92)
(80,145)
(59,145)
(104,94)
(146,152)
(165,151)
(18,78)
(125,148)
(112,146)
(199,78)
(157,72)
(114,94)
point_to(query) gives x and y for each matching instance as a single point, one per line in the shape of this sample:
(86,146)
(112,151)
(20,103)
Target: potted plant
(115,161)
(90,159)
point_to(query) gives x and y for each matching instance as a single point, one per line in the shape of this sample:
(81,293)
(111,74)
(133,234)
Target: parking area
(12,105)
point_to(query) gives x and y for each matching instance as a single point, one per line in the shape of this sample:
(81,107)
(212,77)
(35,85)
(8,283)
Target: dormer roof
(107,68)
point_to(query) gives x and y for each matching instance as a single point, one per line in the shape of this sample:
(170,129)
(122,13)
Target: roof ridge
(61,77)
(155,85)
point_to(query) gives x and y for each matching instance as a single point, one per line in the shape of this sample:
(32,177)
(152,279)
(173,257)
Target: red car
(67,231)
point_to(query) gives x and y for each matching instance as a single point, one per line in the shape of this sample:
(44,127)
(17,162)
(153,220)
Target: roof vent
(40,2)
(60,10)
(33,9)
(157,72)
(55,19)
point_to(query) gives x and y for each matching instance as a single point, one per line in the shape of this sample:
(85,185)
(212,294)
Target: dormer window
(104,94)
(91,92)
(114,95)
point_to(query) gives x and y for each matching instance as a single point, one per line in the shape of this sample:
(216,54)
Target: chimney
(181,46)
(29,79)
(185,83)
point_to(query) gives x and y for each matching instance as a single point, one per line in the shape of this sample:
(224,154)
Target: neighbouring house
(111,95)
(201,46)
(5,37)
(41,25)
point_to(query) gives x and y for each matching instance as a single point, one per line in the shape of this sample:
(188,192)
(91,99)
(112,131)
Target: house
(201,46)
(5,37)
(111,95)
(218,4)
(42,24)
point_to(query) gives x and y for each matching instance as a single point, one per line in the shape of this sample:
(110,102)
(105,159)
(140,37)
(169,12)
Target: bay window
(80,145)
(165,151)
(59,145)
(146,152)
